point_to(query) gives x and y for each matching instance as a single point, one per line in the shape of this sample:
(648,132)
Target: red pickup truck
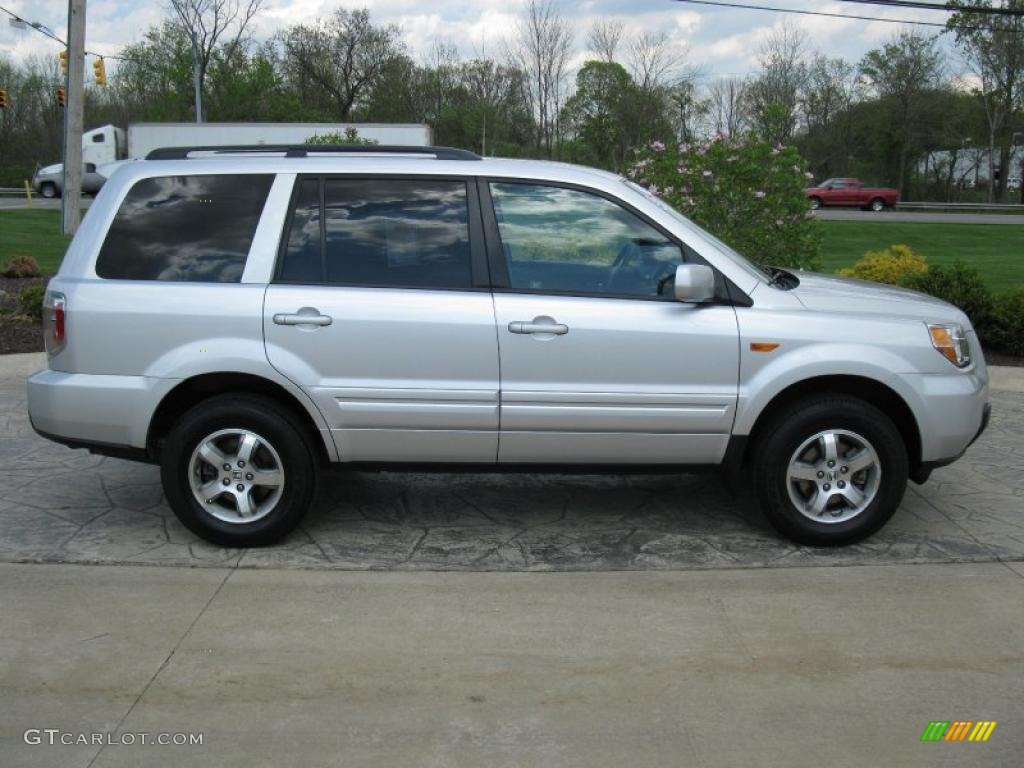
(851,192)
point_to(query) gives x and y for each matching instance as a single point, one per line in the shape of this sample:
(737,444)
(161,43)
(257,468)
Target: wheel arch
(870,390)
(195,389)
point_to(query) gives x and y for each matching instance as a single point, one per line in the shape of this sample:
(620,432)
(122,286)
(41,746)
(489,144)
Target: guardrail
(966,207)
(12,191)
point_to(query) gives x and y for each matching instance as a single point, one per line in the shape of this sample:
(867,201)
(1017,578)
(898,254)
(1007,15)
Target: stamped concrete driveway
(61,505)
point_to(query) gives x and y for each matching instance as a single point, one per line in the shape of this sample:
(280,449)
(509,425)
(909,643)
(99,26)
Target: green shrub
(748,193)
(21,266)
(30,301)
(962,286)
(351,136)
(1007,327)
(894,265)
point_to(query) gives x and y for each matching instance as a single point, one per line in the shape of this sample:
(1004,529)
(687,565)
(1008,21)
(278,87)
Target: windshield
(735,257)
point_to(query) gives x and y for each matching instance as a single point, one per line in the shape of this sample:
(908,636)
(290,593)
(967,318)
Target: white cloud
(720,40)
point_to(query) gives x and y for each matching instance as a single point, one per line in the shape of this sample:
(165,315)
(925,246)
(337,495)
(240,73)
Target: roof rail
(304,150)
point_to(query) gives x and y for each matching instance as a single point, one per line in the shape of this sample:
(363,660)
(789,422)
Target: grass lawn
(32,233)
(995,250)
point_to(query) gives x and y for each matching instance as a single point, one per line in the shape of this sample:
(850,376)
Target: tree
(902,72)
(774,94)
(211,23)
(541,49)
(341,59)
(689,109)
(994,51)
(728,110)
(832,87)
(604,38)
(598,111)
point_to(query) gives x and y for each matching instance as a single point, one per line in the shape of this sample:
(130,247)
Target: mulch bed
(17,335)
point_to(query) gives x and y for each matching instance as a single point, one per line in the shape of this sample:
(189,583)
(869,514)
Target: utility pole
(71,199)
(196,84)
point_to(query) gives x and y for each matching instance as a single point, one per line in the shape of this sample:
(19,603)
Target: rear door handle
(302,319)
(523,326)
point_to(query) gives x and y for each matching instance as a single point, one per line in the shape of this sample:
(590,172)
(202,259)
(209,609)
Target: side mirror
(694,283)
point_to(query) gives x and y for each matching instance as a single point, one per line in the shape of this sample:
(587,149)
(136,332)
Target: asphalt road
(852,214)
(38,203)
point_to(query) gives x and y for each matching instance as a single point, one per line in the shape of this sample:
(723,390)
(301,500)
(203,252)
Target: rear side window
(401,233)
(184,228)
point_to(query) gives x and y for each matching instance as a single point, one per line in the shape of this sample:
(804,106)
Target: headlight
(951,342)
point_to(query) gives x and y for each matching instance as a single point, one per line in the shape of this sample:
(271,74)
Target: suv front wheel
(830,471)
(238,471)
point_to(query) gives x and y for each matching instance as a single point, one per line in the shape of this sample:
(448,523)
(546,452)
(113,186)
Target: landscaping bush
(962,286)
(21,266)
(350,136)
(748,193)
(1007,331)
(30,301)
(894,265)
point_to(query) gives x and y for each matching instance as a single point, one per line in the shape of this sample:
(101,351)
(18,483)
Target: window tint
(302,259)
(405,233)
(185,228)
(397,232)
(569,241)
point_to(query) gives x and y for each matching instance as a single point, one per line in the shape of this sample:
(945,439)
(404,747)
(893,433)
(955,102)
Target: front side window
(569,241)
(184,228)
(402,233)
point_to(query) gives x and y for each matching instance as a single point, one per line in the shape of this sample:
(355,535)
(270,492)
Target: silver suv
(246,317)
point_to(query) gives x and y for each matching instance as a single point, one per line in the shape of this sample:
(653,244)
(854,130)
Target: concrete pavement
(61,505)
(784,667)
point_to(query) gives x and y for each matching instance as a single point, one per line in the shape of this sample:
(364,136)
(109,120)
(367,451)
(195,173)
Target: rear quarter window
(184,228)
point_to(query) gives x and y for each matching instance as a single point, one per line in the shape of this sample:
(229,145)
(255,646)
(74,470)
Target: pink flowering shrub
(748,193)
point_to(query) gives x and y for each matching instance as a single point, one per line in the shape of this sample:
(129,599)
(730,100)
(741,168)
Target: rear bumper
(89,410)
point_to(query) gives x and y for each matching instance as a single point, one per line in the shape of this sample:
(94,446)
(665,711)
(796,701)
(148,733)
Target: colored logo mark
(958,730)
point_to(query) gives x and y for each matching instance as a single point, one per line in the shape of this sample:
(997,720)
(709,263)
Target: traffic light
(64,63)
(61,97)
(99,72)
(3,98)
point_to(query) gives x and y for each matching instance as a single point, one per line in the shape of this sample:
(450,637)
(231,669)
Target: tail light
(55,319)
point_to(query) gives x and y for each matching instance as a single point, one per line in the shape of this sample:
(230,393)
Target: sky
(720,41)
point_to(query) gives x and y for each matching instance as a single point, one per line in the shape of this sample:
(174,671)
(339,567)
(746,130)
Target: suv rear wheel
(238,471)
(830,471)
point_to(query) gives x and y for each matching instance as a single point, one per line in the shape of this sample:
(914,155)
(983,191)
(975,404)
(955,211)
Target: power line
(43,30)
(980,10)
(749,7)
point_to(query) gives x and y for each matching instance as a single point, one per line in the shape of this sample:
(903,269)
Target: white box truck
(104,147)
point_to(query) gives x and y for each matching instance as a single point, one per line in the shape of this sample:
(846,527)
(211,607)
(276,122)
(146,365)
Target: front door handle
(524,326)
(302,318)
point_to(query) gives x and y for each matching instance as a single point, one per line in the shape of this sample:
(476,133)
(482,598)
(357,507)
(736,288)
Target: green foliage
(21,266)
(1007,332)
(894,265)
(748,193)
(350,136)
(598,111)
(30,301)
(963,287)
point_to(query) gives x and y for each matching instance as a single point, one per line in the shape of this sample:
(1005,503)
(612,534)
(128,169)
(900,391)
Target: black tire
(270,421)
(877,205)
(48,190)
(815,203)
(779,440)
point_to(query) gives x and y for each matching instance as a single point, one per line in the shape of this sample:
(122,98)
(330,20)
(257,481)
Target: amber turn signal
(763,346)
